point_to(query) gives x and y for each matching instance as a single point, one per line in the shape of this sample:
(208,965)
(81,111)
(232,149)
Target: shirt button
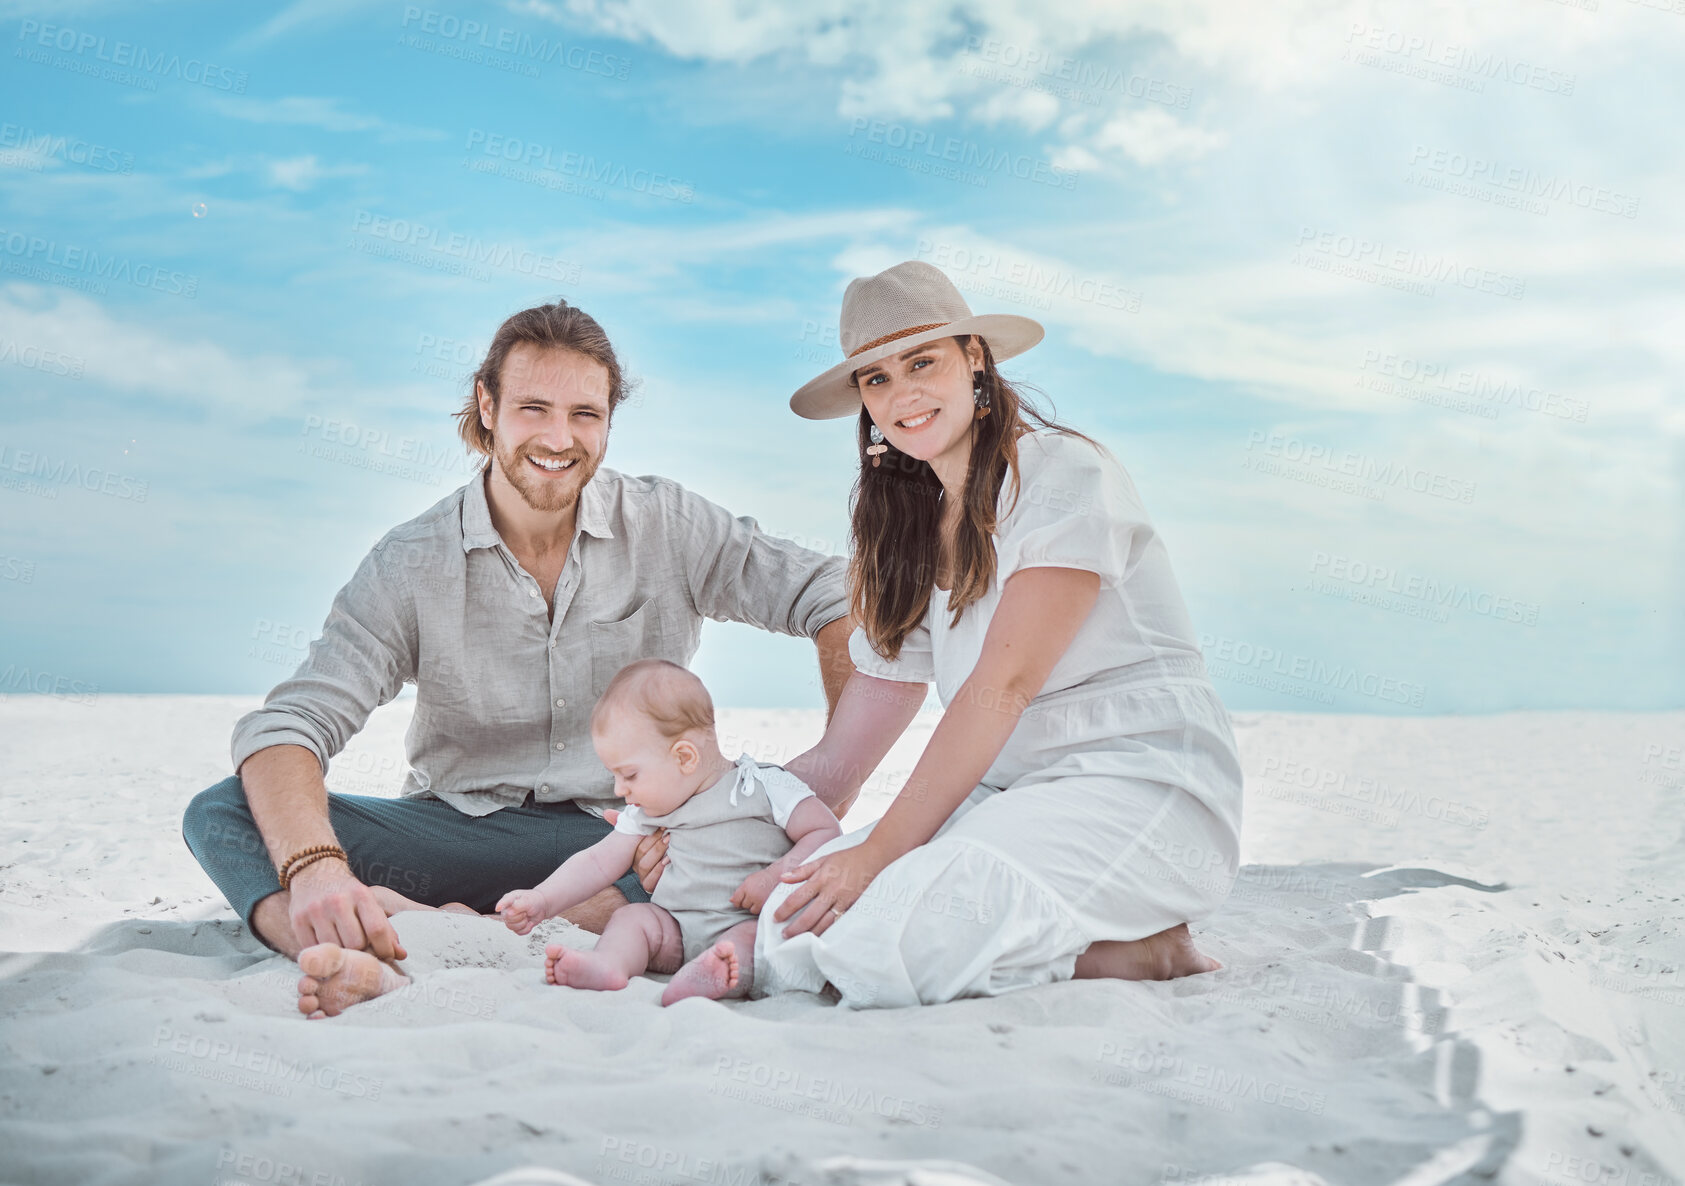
(561,704)
(544,787)
(532,592)
(561,745)
(552,644)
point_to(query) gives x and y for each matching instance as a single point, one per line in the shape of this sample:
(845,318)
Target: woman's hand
(830,885)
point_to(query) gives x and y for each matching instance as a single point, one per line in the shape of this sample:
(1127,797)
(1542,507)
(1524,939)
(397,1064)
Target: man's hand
(757,888)
(651,855)
(329,905)
(523,909)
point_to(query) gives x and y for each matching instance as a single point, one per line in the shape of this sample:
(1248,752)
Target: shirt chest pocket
(618,642)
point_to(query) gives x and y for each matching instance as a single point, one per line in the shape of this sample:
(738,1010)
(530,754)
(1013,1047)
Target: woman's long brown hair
(897,516)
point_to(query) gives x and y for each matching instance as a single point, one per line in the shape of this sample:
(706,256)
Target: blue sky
(1379,304)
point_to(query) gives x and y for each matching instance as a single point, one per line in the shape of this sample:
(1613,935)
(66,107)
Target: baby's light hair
(671,698)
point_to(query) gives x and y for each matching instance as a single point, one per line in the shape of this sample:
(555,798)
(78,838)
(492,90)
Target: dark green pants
(424,849)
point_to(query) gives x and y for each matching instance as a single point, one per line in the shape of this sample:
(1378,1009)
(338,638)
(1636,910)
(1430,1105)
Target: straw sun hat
(899,308)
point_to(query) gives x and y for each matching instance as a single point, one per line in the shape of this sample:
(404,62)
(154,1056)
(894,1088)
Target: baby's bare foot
(712,974)
(336,978)
(581,969)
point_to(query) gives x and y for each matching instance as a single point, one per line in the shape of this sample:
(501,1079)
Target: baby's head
(653,728)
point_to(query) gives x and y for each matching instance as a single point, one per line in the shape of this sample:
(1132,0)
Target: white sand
(1490,991)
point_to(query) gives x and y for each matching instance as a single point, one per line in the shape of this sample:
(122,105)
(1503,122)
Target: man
(510,604)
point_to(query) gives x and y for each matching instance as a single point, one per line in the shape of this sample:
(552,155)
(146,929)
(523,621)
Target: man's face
(554,408)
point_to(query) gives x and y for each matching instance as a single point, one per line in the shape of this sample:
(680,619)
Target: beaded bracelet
(305,856)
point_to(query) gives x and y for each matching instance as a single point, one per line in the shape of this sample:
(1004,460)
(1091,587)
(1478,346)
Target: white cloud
(129,356)
(302,173)
(303,15)
(313,111)
(1154,136)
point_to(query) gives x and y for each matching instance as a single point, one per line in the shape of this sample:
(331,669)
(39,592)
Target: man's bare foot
(1165,956)
(712,974)
(392,902)
(581,969)
(335,978)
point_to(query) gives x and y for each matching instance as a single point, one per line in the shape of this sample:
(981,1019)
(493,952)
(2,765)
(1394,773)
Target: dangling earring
(978,395)
(877,446)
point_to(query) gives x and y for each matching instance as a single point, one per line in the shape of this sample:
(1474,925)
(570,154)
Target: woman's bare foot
(581,969)
(712,974)
(335,978)
(1165,956)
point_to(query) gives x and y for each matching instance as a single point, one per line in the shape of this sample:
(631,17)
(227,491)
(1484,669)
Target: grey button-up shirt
(503,693)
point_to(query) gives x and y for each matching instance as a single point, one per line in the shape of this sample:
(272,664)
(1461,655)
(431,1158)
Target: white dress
(1112,812)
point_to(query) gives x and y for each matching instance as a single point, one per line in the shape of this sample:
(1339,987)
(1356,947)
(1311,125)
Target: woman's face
(921,399)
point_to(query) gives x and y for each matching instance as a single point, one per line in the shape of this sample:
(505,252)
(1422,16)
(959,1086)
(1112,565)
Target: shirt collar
(477,529)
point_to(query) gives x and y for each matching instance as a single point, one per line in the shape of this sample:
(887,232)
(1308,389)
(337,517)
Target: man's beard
(543,494)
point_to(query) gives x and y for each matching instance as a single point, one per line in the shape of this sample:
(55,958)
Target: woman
(1080,801)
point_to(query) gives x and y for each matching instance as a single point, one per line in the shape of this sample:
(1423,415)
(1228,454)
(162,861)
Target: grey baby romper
(715,839)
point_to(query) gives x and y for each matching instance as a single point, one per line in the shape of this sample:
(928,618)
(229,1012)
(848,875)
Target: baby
(733,829)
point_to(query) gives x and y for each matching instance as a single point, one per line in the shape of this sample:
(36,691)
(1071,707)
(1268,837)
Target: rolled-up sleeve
(738,573)
(365,654)
(916,664)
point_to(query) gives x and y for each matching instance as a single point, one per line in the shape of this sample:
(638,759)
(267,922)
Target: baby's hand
(755,890)
(522,910)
